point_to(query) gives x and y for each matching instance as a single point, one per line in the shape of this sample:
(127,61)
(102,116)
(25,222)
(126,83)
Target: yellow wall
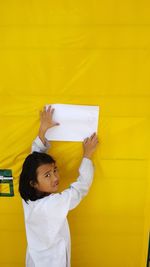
(80,52)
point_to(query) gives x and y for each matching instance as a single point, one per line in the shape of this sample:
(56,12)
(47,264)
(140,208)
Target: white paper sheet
(76,122)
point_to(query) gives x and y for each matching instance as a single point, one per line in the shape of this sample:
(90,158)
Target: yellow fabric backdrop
(80,52)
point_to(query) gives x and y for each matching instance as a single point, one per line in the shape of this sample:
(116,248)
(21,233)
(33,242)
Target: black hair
(29,175)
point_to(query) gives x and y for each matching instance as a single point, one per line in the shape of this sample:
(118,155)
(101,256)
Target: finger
(96,141)
(52,111)
(93,135)
(49,108)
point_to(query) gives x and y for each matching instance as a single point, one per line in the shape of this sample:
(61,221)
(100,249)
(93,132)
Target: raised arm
(71,197)
(80,187)
(38,145)
(41,144)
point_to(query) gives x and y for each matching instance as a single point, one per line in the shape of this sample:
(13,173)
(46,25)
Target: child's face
(48,178)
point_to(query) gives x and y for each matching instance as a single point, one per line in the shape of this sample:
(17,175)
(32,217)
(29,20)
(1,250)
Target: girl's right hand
(89,145)
(46,118)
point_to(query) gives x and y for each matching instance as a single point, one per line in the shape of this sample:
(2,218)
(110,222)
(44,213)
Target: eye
(47,175)
(56,169)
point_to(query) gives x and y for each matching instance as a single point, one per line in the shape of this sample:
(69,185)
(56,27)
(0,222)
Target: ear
(32,183)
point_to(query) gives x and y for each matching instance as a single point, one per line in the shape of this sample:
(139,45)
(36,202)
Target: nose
(55,180)
(56,183)
(56,176)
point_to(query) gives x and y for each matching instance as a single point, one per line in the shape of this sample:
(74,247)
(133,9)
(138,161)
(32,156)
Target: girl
(45,210)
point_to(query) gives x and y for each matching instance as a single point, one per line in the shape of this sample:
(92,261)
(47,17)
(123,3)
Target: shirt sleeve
(72,196)
(38,145)
(79,189)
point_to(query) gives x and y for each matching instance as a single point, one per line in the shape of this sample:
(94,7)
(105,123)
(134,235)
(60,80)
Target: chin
(56,190)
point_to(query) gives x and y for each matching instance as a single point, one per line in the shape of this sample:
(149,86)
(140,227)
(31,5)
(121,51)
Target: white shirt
(47,229)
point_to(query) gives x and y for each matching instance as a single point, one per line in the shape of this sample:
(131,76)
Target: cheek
(46,186)
(57,175)
(45,183)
